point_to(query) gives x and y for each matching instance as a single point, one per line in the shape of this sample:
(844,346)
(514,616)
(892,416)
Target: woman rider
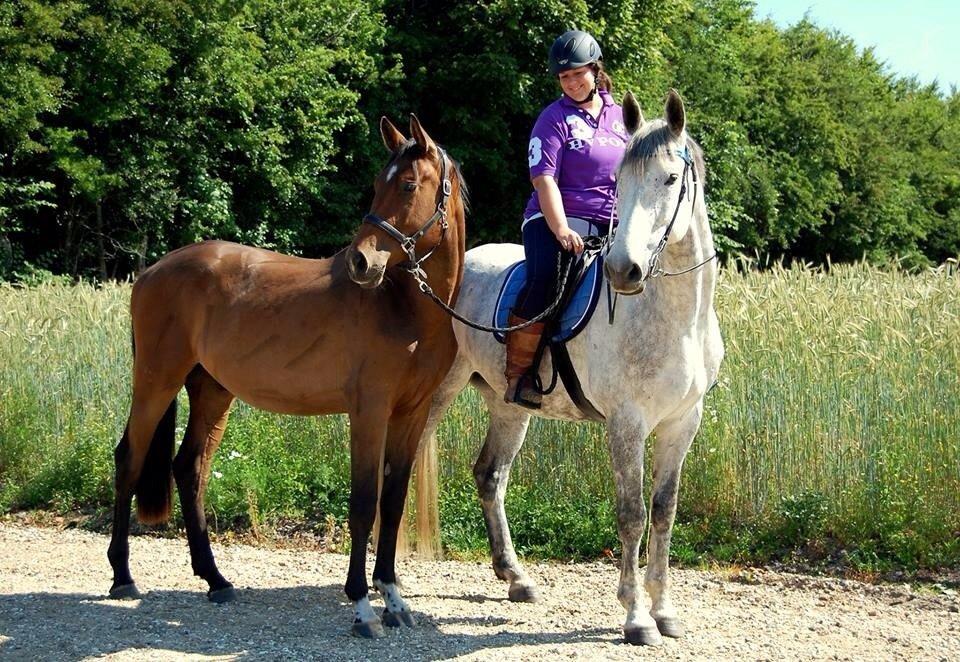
(575,148)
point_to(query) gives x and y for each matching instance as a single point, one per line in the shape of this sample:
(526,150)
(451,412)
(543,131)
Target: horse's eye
(409,186)
(671,179)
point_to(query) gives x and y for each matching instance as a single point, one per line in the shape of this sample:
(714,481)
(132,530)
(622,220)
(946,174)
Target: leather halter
(409,242)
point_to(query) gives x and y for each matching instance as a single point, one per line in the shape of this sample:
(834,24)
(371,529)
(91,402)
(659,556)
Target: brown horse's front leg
(367,435)
(403,436)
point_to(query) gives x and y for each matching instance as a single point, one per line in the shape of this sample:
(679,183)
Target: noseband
(409,242)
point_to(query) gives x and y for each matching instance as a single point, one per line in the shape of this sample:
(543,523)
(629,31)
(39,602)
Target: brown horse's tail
(155,485)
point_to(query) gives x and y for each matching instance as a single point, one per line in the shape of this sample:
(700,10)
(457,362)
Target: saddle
(577,305)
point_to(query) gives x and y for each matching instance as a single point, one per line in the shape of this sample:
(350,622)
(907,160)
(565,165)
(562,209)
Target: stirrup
(518,398)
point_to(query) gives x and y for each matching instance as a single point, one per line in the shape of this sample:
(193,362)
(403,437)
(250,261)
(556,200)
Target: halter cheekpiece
(409,242)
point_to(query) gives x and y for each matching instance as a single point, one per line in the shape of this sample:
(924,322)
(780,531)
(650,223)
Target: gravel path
(291,606)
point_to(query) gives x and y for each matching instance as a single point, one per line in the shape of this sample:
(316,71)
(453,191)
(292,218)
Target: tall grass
(834,431)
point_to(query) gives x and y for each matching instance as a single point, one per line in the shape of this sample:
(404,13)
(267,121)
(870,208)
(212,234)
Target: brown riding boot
(521,350)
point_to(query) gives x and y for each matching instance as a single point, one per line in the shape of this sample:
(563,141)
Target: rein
(565,274)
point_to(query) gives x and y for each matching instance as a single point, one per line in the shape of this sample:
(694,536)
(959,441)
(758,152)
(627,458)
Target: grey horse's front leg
(508,428)
(626,432)
(673,441)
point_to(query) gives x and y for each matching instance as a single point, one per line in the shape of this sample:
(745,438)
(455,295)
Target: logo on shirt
(578,128)
(534,151)
(618,127)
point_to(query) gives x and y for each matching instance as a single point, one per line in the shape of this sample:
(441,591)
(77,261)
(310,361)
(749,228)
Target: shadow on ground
(293,622)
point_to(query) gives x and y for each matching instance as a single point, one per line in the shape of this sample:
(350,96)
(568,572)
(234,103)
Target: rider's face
(578,83)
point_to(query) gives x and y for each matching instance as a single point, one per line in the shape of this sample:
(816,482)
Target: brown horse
(347,334)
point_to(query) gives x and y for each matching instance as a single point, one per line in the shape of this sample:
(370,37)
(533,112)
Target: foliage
(128,128)
(162,123)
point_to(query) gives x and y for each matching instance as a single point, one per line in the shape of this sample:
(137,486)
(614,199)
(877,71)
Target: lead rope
(420,277)
(611,295)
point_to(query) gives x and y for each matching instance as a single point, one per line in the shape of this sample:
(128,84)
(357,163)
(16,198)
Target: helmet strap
(586,99)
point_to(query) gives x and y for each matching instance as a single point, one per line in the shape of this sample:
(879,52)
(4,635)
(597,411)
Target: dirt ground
(291,606)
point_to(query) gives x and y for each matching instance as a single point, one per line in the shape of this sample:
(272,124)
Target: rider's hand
(570,240)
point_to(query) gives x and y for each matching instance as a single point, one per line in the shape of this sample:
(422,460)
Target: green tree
(28,90)
(190,119)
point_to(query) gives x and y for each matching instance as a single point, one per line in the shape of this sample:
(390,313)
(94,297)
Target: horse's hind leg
(508,428)
(626,432)
(673,442)
(148,436)
(403,437)
(209,409)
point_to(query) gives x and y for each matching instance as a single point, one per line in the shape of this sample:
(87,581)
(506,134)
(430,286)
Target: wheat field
(834,430)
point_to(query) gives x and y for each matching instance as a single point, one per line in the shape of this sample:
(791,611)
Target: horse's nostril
(359,262)
(635,272)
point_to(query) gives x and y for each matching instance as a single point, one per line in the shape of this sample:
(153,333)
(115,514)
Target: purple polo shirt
(582,154)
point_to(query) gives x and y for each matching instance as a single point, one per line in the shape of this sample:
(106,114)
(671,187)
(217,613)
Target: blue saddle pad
(577,313)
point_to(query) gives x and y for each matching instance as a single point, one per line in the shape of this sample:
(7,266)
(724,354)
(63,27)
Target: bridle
(409,242)
(655,269)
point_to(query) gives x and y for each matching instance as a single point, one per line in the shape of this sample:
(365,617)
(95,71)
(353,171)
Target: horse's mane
(412,149)
(656,139)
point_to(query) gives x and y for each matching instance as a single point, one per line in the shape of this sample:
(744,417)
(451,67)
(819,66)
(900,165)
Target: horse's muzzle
(361,272)
(627,282)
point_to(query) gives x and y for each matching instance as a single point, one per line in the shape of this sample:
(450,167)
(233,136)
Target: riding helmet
(573,49)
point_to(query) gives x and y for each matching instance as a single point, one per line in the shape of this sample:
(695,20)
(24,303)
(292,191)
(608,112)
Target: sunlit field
(832,436)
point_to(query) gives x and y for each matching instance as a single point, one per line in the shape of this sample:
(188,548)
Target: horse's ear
(392,137)
(632,115)
(675,113)
(420,136)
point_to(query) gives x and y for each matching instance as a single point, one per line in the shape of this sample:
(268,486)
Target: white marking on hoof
(641,630)
(363,612)
(670,627)
(391,597)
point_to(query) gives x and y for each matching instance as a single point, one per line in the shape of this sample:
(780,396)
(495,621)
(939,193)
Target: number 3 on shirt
(535,153)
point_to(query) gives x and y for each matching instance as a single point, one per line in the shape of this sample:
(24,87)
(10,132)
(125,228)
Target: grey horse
(647,372)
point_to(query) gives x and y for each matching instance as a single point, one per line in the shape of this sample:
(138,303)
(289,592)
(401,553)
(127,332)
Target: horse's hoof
(523,593)
(395,619)
(222,595)
(670,627)
(371,630)
(647,635)
(125,592)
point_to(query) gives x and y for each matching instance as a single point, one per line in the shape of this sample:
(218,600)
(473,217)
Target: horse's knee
(664,504)
(488,479)
(632,519)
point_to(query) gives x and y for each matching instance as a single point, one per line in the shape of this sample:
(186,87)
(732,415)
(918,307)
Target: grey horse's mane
(656,139)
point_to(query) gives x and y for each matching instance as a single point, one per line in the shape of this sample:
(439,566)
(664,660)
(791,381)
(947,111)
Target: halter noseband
(409,242)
